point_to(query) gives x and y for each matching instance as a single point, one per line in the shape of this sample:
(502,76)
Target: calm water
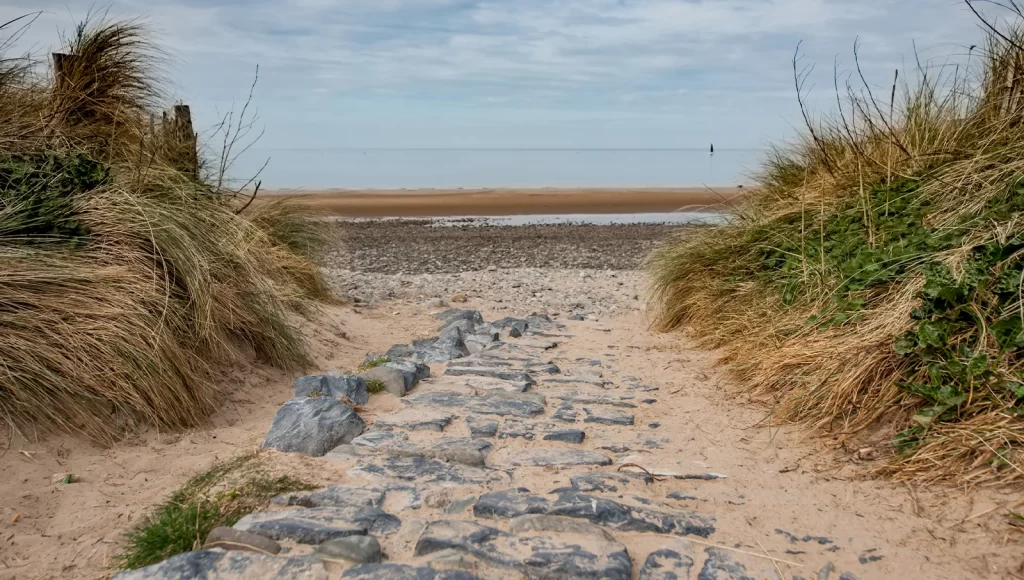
(451,168)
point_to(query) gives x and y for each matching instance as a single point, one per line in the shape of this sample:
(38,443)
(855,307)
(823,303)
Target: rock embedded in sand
(360,549)
(313,426)
(412,371)
(530,553)
(721,566)
(229,565)
(449,316)
(490,372)
(480,427)
(333,496)
(666,564)
(607,416)
(608,480)
(403,572)
(320,524)
(490,404)
(542,457)
(336,386)
(422,470)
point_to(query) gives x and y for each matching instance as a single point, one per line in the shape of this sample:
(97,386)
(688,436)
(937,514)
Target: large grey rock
(333,496)
(566,414)
(412,371)
(608,480)
(392,379)
(453,314)
(313,425)
(477,342)
(721,566)
(336,386)
(446,349)
(320,524)
(492,373)
(490,404)
(607,416)
(601,511)
(532,554)
(415,419)
(480,427)
(422,470)
(666,564)
(543,457)
(231,565)
(360,549)
(403,572)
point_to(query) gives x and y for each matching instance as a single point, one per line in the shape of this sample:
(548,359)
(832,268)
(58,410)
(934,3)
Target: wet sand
(501,202)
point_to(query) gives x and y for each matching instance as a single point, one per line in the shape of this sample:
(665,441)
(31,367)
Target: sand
(498,202)
(785,478)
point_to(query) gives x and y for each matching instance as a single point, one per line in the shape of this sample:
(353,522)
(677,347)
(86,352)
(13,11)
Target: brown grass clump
(125,277)
(871,284)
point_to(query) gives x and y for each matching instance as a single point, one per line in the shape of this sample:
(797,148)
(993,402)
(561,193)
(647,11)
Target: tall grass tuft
(124,279)
(872,283)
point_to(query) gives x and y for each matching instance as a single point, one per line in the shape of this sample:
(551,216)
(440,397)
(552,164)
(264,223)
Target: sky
(520,73)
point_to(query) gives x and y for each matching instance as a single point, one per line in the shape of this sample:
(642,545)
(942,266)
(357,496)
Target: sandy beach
(499,202)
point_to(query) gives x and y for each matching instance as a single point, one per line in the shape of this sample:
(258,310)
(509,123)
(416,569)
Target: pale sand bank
(501,202)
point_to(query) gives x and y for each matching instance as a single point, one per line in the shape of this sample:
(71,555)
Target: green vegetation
(872,283)
(127,269)
(375,386)
(218,497)
(374,362)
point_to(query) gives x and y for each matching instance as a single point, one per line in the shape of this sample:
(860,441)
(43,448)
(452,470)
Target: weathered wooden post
(61,64)
(186,140)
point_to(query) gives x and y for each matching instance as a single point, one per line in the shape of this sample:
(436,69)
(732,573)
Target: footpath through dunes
(538,448)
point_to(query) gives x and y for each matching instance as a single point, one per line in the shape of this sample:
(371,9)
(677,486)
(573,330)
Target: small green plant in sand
(374,362)
(375,386)
(218,497)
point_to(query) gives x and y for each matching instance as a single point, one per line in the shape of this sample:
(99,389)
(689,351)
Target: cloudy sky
(521,73)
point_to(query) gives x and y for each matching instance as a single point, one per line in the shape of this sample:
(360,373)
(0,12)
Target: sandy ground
(497,202)
(779,478)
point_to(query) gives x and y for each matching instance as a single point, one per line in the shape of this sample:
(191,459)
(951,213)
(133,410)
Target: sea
(349,168)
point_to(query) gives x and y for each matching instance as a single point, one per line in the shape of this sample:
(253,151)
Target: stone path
(511,461)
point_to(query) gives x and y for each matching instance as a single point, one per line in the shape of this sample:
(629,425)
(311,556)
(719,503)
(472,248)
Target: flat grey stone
(415,420)
(560,524)
(472,452)
(683,496)
(566,436)
(565,380)
(412,371)
(607,416)
(528,430)
(453,314)
(403,572)
(480,427)
(392,379)
(491,372)
(474,361)
(361,549)
(232,539)
(333,496)
(609,481)
(592,399)
(422,470)
(312,425)
(601,511)
(666,564)
(459,505)
(491,404)
(555,458)
(375,438)
(721,566)
(336,386)
(317,525)
(566,414)
(487,385)
(532,554)
(230,565)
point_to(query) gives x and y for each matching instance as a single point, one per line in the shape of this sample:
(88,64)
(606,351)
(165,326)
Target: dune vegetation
(128,271)
(872,283)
